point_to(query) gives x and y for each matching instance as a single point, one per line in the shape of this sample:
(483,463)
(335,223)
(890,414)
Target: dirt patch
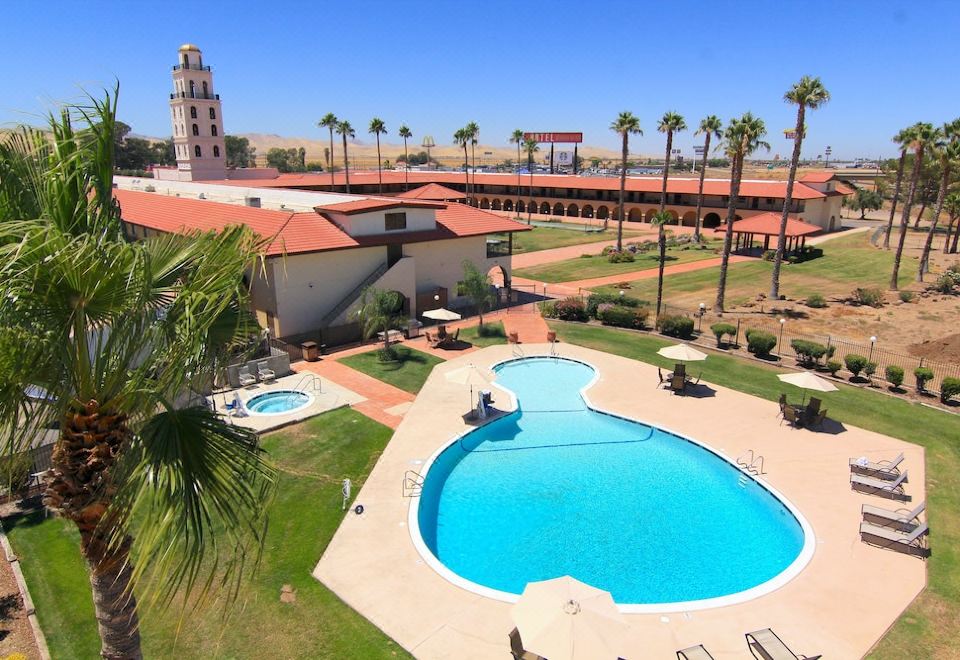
(943,349)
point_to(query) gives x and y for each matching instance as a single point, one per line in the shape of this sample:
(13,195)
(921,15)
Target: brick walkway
(528,324)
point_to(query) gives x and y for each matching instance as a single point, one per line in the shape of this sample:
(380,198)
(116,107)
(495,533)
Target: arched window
(196,130)
(196,151)
(193,111)
(216,151)
(213,113)
(193,90)
(206,94)
(186,61)
(213,129)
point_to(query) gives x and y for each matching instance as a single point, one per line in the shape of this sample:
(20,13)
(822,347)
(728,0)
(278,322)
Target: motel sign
(554,137)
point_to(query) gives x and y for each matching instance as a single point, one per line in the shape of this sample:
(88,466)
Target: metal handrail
(315,382)
(412,483)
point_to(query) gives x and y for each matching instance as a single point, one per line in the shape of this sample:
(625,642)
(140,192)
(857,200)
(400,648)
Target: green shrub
(855,363)
(721,329)
(675,325)
(808,352)
(623,317)
(923,375)
(949,388)
(760,342)
(946,283)
(816,300)
(571,309)
(490,330)
(15,473)
(872,297)
(869,369)
(624,256)
(906,296)
(894,374)
(548,309)
(769,255)
(833,367)
(594,300)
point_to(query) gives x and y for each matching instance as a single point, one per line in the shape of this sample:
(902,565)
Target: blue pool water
(281,401)
(558,489)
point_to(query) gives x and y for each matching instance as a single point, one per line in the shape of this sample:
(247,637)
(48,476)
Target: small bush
(548,309)
(947,283)
(490,330)
(15,473)
(923,376)
(816,301)
(594,300)
(872,297)
(949,388)
(723,329)
(808,352)
(769,255)
(906,296)
(675,325)
(623,317)
(894,375)
(620,257)
(833,367)
(869,369)
(760,342)
(855,363)
(570,309)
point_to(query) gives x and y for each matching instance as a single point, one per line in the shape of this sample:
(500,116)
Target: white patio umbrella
(441,314)
(808,381)
(471,375)
(682,352)
(564,618)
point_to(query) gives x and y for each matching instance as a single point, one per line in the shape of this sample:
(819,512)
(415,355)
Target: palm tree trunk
(896,197)
(473,159)
(928,244)
(703,173)
(530,169)
(331,159)
(787,199)
(923,207)
(406,166)
(956,235)
(518,181)
(466,172)
(623,183)
(905,218)
(946,242)
(346,163)
(379,168)
(114,605)
(735,174)
(661,234)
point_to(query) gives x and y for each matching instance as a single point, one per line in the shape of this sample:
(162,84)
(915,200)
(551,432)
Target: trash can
(413,328)
(309,349)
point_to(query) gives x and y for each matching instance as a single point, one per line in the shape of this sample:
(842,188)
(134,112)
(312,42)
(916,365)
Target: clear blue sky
(546,66)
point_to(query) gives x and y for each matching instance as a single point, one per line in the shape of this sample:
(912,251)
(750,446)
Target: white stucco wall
(440,263)
(819,211)
(365,224)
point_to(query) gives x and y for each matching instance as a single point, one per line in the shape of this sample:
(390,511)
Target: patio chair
(680,369)
(456,336)
(771,647)
(782,401)
(790,416)
(660,375)
(513,338)
(888,470)
(902,519)
(678,383)
(246,378)
(694,653)
(913,543)
(813,406)
(890,489)
(516,648)
(265,373)
(817,420)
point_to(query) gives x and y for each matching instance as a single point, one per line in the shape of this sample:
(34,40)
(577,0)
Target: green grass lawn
(931,626)
(313,458)
(493,334)
(544,238)
(408,372)
(582,268)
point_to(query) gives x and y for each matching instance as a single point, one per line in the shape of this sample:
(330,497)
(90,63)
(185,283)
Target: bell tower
(197,120)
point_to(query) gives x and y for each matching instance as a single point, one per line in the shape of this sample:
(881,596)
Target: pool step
(743,480)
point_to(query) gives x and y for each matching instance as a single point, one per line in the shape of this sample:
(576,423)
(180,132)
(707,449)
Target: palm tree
(625,124)
(710,126)
(517,138)
(405,133)
(810,93)
(462,138)
(670,123)
(345,130)
(921,135)
(377,127)
(380,312)
(948,153)
(903,138)
(741,138)
(329,121)
(473,132)
(952,206)
(120,335)
(531,147)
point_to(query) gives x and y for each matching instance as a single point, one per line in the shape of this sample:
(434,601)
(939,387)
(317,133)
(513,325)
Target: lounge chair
(902,519)
(694,653)
(771,647)
(264,372)
(516,648)
(246,378)
(888,470)
(884,537)
(890,489)
(790,416)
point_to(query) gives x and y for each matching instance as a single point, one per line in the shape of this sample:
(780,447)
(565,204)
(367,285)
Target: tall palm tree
(625,124)
(808,92)
(405,133)
(473,132)
(345,130)
(329,121)
(517,138)
(377,127)
(903,138)
(921,136)
(947,153)
(710,127)
(462,138)
(952,206)
(120,335)
(742,137)
(670,123)
(531,147)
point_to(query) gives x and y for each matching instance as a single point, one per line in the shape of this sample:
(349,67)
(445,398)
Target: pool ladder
(751,462)
(313,382)
(412,483)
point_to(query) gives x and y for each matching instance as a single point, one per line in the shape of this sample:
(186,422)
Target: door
(394,254)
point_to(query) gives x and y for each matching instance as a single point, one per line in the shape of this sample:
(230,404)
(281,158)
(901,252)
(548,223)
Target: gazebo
(747,231)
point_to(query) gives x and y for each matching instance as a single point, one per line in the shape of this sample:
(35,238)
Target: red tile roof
(817,177)
(768,224)
(296,233)
(374,204)
(844,189)
(433,191)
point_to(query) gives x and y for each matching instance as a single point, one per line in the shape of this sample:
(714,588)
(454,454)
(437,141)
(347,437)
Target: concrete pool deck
(840,605)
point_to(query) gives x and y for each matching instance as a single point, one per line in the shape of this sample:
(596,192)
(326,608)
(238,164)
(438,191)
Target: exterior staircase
(352,297)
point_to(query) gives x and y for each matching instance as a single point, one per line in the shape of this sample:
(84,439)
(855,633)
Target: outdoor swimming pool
(278,402)
(558,488)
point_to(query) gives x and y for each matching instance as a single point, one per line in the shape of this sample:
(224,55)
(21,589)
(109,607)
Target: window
(769,201)
(213,113)
(196,151)
(205,93)
(213,129)
(193,94)
(196,130)
(395,221)
(193,110)
(461,291)
(499,245)
(216,151)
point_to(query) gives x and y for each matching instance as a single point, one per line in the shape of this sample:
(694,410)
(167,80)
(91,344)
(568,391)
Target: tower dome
(189,48)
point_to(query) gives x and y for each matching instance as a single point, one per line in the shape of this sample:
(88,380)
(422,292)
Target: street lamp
(873,341)
(703,309)
(783,322)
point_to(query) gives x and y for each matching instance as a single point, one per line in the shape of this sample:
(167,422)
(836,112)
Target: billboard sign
(563,158)
(554,137)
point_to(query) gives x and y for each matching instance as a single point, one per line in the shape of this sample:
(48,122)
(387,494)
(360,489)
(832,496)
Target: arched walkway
(711,220)
(674,216)
(508,205)
(545,208)
(635,215)
(573,211)
(587,212)
(495,205)
(558,209)
(689,219)
(521,207)
(649,215)
(484,203)
(498,276)
(603,213)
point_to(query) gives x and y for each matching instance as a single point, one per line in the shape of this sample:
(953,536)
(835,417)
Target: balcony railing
(195,95)
(190,67)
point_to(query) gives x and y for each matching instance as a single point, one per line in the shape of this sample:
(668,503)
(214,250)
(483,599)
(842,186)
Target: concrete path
(540,257)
